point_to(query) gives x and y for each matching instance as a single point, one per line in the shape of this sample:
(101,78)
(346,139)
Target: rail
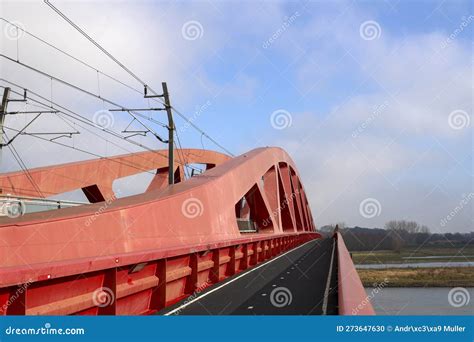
(352,298)
(14,206)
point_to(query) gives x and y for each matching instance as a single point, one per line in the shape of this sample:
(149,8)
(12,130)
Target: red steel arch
(95,177)
(153,249)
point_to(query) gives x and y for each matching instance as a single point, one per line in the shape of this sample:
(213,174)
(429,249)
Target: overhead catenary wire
(93,41)
(81,150)
(68,121)
(23,166)
(9,141)
(85,151)
(189,121)
(73,57)
(202,132)
(183,159)
(143,83)
(99,96)
(87,92)
(77,117)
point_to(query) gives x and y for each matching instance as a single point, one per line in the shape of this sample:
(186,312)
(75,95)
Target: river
(422,301)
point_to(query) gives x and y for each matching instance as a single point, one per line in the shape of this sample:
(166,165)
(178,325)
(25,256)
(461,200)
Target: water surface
(418,301)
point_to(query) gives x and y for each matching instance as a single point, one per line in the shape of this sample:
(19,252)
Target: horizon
(383,228)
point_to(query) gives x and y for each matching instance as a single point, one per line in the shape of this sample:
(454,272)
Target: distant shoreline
(418,277)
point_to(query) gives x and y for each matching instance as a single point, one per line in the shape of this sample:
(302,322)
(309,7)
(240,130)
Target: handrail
(352,297)
(40,200)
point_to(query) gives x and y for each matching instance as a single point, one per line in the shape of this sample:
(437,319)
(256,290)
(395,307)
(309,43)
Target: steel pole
(171,129)
(3,110)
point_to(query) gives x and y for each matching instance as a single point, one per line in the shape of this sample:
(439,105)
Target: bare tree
(424,229)
(405,232)
(391,225)
(410,227)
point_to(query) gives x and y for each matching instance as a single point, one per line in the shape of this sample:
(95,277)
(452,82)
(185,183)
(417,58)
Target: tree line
(397,234)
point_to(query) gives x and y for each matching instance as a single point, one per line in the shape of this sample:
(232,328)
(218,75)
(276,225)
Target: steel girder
(149,250)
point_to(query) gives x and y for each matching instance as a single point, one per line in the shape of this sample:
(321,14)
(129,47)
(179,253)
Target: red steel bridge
(237,239)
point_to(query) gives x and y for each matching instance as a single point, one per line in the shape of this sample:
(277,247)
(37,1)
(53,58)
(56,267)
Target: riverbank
(418,277)
(412,255)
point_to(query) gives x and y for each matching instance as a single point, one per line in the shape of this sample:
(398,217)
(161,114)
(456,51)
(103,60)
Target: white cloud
(404,152)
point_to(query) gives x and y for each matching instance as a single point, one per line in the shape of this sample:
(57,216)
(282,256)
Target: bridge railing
(352,297)
(14,206)
(146,283)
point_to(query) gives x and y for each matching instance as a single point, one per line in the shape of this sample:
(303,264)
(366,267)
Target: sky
(372,99)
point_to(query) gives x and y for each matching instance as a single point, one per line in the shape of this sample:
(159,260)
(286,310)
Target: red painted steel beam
(352,297)
(141,222)
(96,176)
(151,249)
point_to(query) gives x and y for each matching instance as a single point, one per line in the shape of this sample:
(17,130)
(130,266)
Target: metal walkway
(298,282)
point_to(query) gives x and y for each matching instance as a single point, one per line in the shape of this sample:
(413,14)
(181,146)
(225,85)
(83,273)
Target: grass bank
(418,255)
(419,277)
